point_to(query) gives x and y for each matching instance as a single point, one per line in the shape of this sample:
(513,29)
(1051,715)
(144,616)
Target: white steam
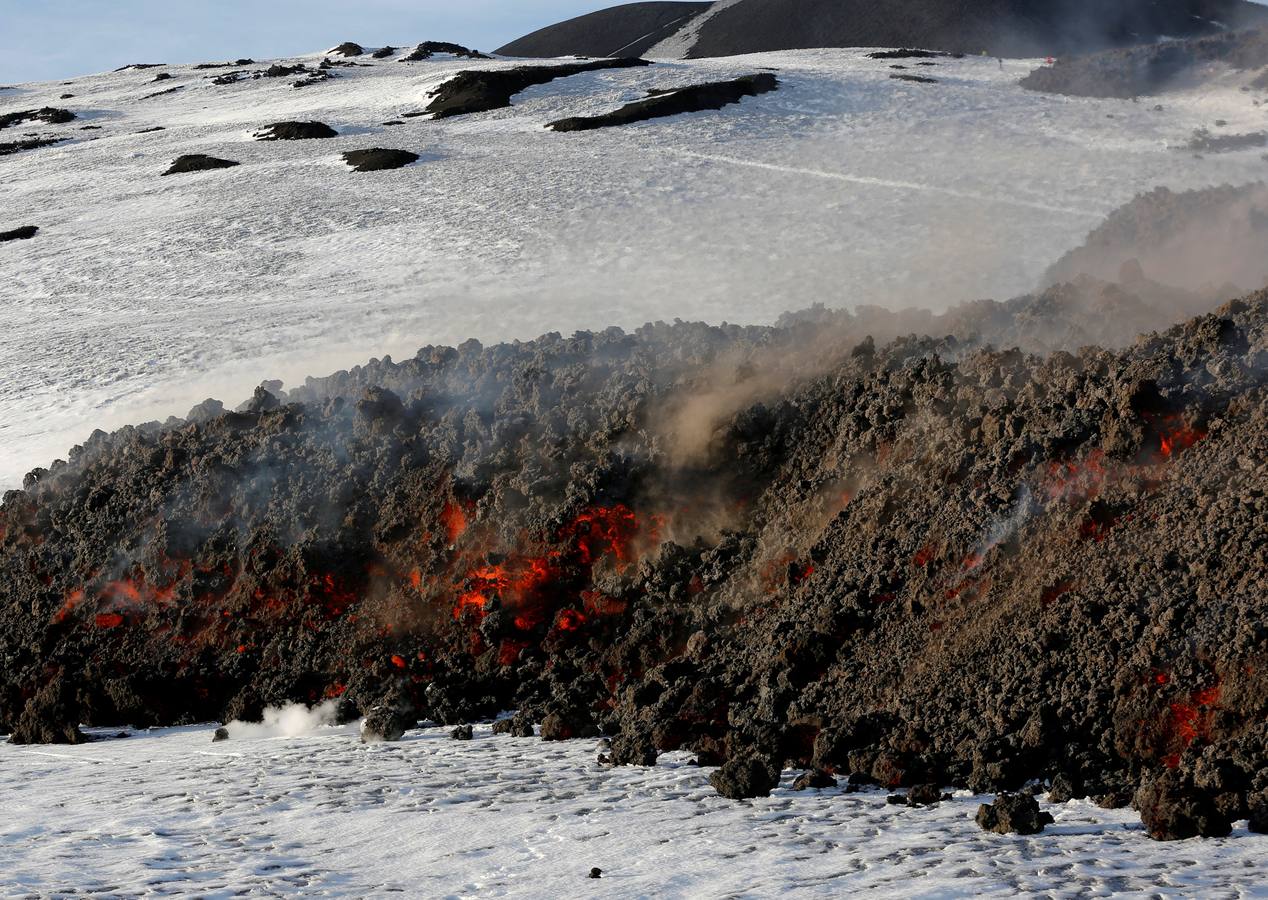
(291,720)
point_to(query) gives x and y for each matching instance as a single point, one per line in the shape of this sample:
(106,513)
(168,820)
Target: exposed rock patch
(296,131)
(378,159)
(25,233)
(1013,814)
(694,98)
(428,49)
(481,91)
(48,114)
(10,147)
(349,48)
(197,162)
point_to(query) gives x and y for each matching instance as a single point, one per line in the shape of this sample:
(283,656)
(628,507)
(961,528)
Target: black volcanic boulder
(1173,808)
(564,726)
(749,774)
(1013,814)
(693,98)
(387,722)
(349,48)
(296,131)
(25,233)
(814,779)
(197,162)
(462,733)
(378,159)
(383,52)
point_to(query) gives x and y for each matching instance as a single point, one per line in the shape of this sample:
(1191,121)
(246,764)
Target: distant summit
(1019,28)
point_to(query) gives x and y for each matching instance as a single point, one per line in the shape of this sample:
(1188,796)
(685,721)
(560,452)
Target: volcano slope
(923,561)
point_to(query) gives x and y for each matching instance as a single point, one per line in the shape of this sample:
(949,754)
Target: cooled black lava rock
(815,778)
(296,131)
(1013,814)
(383,52)
(221,734)
(198,162)
(481,91)
(747,774)
(518,725)
(49,114)
(428,49)
(386,722)
(163,76)
(25,233)
(1257,812)
(596,872)
(10,147)
(51,716)
(378,159)
(564,726)
(462,733)
(693,98)
(1173,808)
(918,79)
(349,48)
(906,53)
(277,70)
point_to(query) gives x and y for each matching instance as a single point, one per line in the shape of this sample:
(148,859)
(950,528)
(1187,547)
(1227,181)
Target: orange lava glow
(454,519)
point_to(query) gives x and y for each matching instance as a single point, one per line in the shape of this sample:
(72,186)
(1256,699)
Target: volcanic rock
(277,70)
(349,48)
(693,98)
(428,49)
(197,162)
(518,725)
(386,722)
(815,778)
(461,733)
(564,726)
(383,52)
(1013,814)
(51,716)
(919,79)
(481,91)
(25,233)
(49,114)
(11,147)
(221,734)
(1173,808)
(596,872)
(296,131)
(1257,820)
(377,159)
(746,775)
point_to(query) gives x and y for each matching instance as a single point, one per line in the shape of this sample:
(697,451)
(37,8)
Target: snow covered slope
(142,295)
(168,812)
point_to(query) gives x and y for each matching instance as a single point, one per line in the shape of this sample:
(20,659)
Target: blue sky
(42,40)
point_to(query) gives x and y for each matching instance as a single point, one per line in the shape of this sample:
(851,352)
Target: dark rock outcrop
(48,114)
(483,90)
(349,48)
(1173,808)
(24,233)
(1013,814)
(661,103)
(198,162)
(296,131)
(428,49)
(378,159)
(745,775)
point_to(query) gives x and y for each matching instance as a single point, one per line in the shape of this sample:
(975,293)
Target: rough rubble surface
(924,561)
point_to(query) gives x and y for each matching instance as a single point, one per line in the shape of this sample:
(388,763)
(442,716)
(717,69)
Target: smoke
(291,720)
